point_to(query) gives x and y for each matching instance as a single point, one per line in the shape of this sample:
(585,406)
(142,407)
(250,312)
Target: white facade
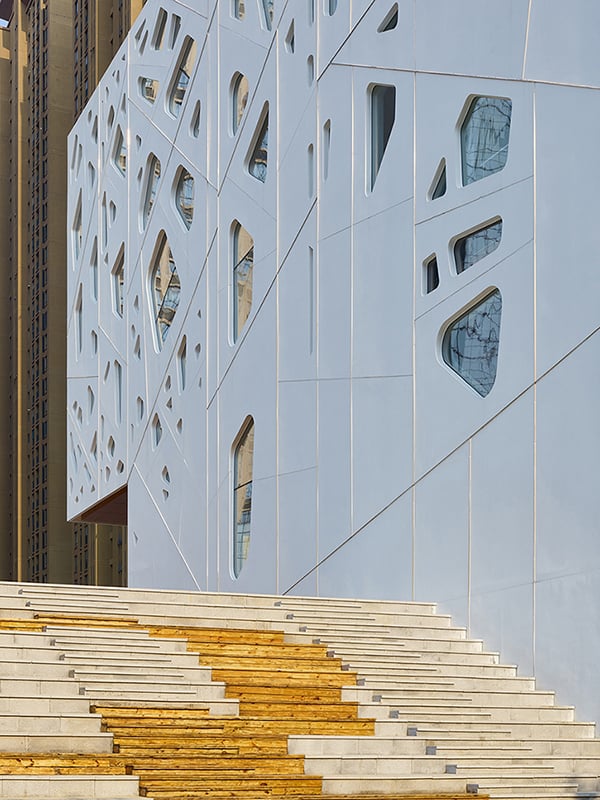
(377,470)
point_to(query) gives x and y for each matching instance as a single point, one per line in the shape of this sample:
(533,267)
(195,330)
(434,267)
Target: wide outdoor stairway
(122,693)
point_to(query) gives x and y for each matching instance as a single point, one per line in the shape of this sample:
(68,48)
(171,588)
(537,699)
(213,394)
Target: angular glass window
(165,288)
(184,197)
(159,30)
(239,9)
(470,344)
(484,137)
(77,229)
(120,152)
(243,457)
(268,9)
(243,264)
(239,99)
(432,275)
(383,115)
(152,180)
(438,187)
(390,21)
(149,89)
(331,7)
(182,78)
(118,277)
(257,166)
(471,248)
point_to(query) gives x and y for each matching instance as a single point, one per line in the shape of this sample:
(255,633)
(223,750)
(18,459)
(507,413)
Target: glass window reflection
(484,137)
(470,344)
(470,249)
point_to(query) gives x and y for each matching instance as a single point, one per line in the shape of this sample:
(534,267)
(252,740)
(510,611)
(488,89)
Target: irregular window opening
(77,229)
(390,21)
(311,170)
(159,30)
(182,363)
(471,248)
(156,430)
(79,320)
(149,89)
(471,342)
(153,177)
(310,70)
(195,124)
(94,270)
(243,265)
(239,9)
(326,148)
(166,288)
(184,197)
(118,392)
(175,28)
(118,276)
(239,99)
(331,7)
(120,152)
(432,274)
(268,11)
(290,39)
(243,458)
(383,115)
(484,137)
(182,78)
(257,166)
(438,187)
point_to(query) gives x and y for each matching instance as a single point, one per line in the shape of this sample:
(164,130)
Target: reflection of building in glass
(365,258)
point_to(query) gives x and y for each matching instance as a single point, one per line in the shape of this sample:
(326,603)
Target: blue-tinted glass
(472,248)
(484,137)
(268,9)
(470,345)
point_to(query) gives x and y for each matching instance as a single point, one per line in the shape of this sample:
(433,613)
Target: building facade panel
(356,358)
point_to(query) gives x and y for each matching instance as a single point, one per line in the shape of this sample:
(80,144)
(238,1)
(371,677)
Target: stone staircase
(114,694)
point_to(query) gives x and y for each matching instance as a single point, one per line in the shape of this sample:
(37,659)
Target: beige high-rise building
(51,57)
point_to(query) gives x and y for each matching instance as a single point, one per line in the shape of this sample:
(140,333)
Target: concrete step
(377,784)
(452,696)
(39,723)
(391,644)
(356,745)
(55,742)
(69,787)
(451,729)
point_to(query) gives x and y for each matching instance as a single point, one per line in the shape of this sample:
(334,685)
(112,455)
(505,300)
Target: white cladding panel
(376,469)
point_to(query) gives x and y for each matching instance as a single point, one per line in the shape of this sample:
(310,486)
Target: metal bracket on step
(82,690)
(302,628)
(27,603)
(52,642)
(411,731)
(430,750)
(62,656)
(316,641)
(472,788)
(277,603)
(395,714)
(361,681)
(345,667)
(377,698)
(331,654)
(289,616)
(451,769)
